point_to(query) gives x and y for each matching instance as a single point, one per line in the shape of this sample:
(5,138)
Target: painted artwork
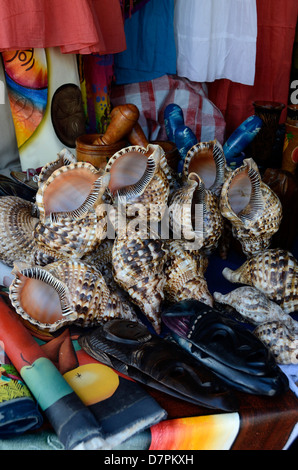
(27,81)
(46,102)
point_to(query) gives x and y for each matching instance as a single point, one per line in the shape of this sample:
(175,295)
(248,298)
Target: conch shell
(280,340)
(253,209)
(18,218)
(185,275)
(254,306)
(140,177)
(274,272)
(68,200)
(62,293)
(207,160)
(64,158)
(194,209)
(138,265)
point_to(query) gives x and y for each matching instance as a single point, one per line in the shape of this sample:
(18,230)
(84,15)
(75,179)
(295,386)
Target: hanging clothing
(276,34)
(150,40)
(216,39)
(76,26)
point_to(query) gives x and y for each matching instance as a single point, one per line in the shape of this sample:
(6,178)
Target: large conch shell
(185,275)
(68,202)
(280,340)
(140,177)
(274,272)
(18,218)
(255,307)
(62,293)
(253,209)
(138,265)
(194,213)
(207,160)
(64,158)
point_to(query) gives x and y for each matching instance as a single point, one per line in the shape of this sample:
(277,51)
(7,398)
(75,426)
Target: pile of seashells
(85,251)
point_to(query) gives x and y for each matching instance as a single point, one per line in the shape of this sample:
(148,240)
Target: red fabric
(276,32)
(76,26)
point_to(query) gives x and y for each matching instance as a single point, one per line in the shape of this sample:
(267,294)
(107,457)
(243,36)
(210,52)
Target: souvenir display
(124,290)
(148,227)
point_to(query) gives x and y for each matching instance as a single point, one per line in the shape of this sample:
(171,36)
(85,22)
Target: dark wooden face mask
(131,349)
(232,352)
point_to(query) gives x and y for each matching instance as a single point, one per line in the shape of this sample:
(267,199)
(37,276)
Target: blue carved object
(240,138)
(184,139)
(173,118)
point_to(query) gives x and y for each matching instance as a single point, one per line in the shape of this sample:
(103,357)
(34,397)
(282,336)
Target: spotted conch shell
(64,158)
(207,160)
(18,218)
(140,178)
(274,272)
(280,340)
(185,275)
(194,212)
(138,265)
(67,201)
(254,306)
(62,293)
(253,209)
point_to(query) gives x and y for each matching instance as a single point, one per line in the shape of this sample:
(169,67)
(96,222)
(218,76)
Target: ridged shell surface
(64,157)
(62,293)
(253,209)
(140,177)
(207,160)
(18,218)
(67,201)
(274,272)
(185,275)
(194,211)
(281,341)
(138,265)
(254,306)
(71,191)
(68,237)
